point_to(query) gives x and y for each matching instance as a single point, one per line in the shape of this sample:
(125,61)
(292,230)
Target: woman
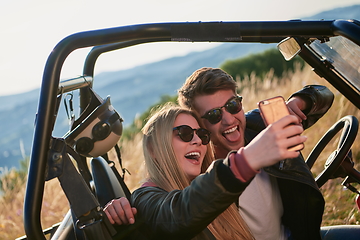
(183,200)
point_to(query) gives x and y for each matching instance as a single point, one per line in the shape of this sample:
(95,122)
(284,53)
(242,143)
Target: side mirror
(289,48)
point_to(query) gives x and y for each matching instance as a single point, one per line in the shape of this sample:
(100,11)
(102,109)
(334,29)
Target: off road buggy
(332,48)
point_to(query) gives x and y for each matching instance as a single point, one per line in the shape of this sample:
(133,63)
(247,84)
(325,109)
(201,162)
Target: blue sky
(31,29)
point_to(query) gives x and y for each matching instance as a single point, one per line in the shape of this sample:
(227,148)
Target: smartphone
(272,110)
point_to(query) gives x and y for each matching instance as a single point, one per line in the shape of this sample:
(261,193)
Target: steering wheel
(349,124)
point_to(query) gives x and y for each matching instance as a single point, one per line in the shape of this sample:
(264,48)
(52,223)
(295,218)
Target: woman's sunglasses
(186,133)
(232,106)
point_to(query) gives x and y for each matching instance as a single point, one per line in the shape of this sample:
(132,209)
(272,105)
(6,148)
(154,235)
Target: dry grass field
(340,205)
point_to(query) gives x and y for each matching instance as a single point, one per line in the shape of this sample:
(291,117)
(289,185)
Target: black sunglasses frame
(215,115)
(202,133)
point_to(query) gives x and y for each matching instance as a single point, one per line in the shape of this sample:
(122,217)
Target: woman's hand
(120,212)
(273,143)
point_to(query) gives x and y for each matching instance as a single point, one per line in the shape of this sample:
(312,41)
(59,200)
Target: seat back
(107,185)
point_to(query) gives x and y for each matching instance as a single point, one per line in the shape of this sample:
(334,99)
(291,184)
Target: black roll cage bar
(120,37)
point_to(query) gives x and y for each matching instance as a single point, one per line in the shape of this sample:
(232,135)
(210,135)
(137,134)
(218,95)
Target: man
(282,200)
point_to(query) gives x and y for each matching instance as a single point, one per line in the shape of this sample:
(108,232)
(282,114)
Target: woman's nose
(196,139)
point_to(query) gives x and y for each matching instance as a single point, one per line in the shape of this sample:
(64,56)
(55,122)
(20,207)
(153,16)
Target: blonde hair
(165,172)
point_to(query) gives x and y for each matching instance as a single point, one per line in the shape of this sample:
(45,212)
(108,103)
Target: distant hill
(149,82)
(132,91)
(350,12)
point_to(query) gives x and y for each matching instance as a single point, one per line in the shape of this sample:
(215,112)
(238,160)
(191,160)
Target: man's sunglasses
(186,133)
(232,106)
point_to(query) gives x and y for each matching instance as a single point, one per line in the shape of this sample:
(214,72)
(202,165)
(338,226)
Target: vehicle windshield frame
(343,55)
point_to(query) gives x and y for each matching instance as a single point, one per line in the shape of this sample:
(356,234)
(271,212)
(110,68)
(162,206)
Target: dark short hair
(204,81)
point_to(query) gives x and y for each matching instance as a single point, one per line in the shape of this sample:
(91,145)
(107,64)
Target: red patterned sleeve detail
(240,166)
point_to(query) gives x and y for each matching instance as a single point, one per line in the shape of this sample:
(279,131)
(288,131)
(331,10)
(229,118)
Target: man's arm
(317,101)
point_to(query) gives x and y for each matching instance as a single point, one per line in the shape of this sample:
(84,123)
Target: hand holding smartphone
(272,110)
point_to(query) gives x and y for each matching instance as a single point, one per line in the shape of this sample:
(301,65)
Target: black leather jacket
(302,200)
(187,213)
(161,213)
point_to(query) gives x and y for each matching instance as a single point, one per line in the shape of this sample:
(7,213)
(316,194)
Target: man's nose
(227,118)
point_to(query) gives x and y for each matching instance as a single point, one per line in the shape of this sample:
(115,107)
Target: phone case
(272,110)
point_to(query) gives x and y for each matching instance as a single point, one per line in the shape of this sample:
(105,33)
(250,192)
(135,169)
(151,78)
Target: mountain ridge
(147,82)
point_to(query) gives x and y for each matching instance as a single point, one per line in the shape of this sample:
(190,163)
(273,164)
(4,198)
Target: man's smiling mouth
(231,130)
(232,135)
